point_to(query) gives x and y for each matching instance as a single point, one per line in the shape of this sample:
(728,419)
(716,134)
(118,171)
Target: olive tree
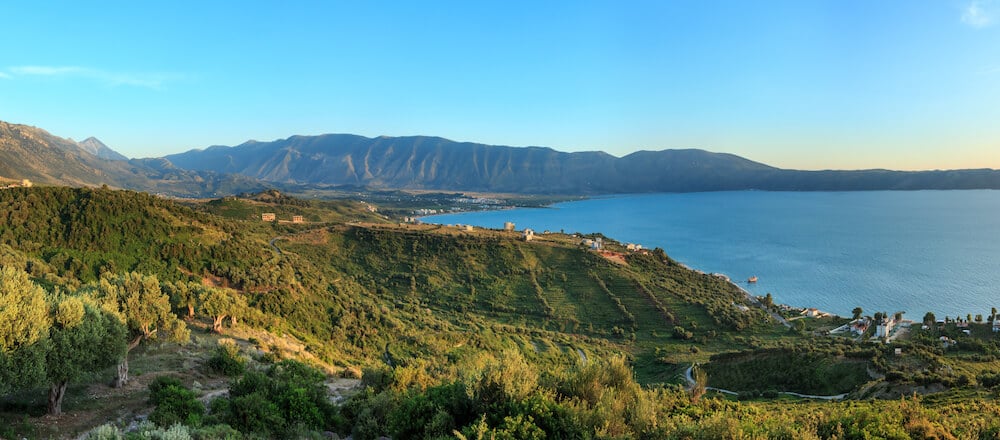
(220,303)
(184,295)
(82,339)
(52,339)
(24,330)
(143,307)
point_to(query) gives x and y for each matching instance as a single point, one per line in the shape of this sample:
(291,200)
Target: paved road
(271,243)
(757,303)
(690,380)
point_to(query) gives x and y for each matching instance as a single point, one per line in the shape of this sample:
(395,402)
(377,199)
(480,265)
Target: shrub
(681,333)
(255,413)
(106,431)
(289,395)
(174,403)
(152,432)
(509,378)
(159,384)
(227,359)
(217,432)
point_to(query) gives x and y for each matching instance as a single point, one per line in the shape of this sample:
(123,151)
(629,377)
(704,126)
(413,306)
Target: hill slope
(32,153)
(347,291)
(455,327)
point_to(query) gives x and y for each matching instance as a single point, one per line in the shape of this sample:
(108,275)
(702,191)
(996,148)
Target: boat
(752,279)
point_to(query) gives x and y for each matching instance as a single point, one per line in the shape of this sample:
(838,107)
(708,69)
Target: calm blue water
(913,251)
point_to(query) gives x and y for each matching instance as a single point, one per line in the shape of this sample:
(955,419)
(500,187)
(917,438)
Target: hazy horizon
(827,85)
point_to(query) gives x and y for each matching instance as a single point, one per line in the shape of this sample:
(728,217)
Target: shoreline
(801,266)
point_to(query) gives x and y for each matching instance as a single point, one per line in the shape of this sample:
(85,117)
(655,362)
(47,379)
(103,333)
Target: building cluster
(859,326)
(813,312)
(478,201)
(270,217)
(22,184)
(884,327)
(593,244)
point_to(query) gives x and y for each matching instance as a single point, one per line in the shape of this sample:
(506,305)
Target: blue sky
(911,84)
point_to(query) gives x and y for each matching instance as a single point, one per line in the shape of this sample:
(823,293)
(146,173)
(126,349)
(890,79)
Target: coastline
(830,250)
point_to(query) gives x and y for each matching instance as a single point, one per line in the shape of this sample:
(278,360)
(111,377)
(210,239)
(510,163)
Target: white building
(883,328)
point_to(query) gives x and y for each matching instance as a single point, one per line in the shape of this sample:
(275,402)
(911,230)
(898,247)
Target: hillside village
(24,183)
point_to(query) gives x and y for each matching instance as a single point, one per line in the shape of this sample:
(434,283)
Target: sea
(883,251)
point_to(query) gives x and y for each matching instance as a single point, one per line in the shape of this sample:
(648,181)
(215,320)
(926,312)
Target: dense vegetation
(476,334)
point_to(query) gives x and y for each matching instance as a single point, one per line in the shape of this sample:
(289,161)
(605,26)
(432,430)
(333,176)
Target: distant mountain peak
(94,146)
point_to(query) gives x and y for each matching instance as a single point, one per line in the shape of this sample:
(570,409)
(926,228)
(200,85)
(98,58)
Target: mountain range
(421,162)
(32,153)
(432,163)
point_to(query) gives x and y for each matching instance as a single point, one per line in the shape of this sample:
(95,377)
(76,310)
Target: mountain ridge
(432,163)
(435,163)
(28,152)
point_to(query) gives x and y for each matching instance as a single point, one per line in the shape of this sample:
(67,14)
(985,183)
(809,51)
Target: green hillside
(477,332)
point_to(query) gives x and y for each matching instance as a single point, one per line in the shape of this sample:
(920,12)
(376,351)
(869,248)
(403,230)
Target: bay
(911,251)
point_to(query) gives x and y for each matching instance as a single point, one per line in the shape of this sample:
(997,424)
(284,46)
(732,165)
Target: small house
(268,217)
(528,234)
(508,226)
(883,328)
(297,219)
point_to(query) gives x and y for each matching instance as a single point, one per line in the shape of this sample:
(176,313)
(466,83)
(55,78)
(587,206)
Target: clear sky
(903,84)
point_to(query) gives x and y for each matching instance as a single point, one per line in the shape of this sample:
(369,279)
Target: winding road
(757,302)
(691,383)
(271,243)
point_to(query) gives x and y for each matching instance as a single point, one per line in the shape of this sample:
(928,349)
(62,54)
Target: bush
(175,432)
(288,396)
(681,333)
(217,432)
(227,360)
(105,432)
(158,385)
(174,403)
(255,413)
